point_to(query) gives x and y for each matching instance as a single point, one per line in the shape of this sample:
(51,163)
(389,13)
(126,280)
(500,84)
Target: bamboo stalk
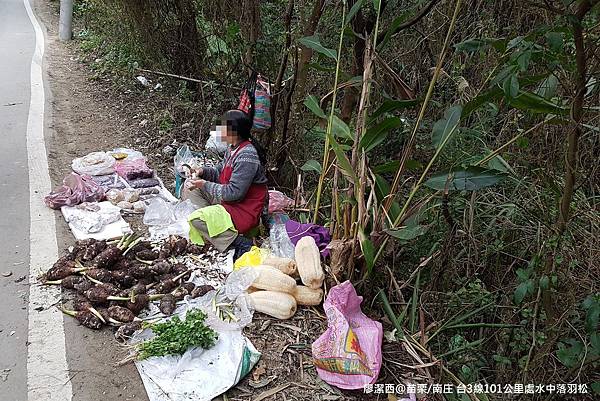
(428,96)
(394,188)
(330,120)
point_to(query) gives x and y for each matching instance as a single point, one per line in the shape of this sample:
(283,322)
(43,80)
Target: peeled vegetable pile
(115,281)
(275,291)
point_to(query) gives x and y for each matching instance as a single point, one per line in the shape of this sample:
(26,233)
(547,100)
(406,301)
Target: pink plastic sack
(134,169)
(348,354)
(75,190)
(278,201)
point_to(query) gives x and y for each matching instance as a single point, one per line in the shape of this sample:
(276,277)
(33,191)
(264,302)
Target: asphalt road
(43,357)
(17,42)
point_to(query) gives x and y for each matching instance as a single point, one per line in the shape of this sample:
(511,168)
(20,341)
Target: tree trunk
(284,58)
(300,76)
(253,29)
(359,25)
(305,52)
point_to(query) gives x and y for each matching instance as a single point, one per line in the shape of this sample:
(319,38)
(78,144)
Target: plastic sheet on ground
(201,375)
(106,225)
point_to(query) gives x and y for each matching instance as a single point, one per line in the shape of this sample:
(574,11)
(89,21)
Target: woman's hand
(194,184)
(192,172)
(197,173)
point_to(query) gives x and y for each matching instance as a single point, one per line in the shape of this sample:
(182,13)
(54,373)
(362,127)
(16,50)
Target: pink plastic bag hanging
(278,202)
(75,190)
(348,354)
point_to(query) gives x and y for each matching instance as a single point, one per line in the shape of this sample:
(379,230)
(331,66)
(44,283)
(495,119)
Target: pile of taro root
(116,280)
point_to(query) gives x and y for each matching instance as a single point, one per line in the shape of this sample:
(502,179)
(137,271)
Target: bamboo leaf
(445,127)
(396,321)
(480,100)
(312,103)
(393,105)
(377,134)
(393,166)
(536,104)
(342,161)
(511,86)
(382,189)
(368,251)
(469,179)
(396,23)
(355,8)
(320,67)
(314,42)
(414,302)
(407,233)
(311,165)
(340,129)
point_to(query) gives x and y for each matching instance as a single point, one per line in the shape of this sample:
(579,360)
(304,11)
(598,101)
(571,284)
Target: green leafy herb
(175,336)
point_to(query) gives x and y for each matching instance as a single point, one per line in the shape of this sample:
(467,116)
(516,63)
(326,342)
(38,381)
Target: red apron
(245,213)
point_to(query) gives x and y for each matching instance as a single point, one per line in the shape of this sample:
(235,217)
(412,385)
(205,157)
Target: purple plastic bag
(76,189)
(320,234)
(348,353)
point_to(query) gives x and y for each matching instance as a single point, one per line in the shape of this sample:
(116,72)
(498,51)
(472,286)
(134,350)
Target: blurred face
(226,133)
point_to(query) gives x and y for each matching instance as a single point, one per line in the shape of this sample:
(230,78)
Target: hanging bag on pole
(247,98)
(262,105)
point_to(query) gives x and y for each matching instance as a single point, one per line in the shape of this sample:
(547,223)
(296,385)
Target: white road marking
(47,369)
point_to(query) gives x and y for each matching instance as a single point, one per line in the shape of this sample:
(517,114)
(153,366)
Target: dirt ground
(95,114)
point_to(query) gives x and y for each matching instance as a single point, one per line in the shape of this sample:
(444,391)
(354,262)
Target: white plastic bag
(92,219)
(167,219)
(95,163)
(184,156)
(198,374)
(215,144)
(182,210)
(280,243)
(158,213)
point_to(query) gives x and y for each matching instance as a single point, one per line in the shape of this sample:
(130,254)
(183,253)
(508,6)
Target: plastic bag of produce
(280,243)
(253,257)
(90,218)
(278,201)
(201,374)
(144,183)
(348,354)
(168,219)
(184,156)
(95,163)
(114,196)
(134,169)
(75,190)
(158,213)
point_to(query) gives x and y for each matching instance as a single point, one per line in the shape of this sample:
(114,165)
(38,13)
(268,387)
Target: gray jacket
(246,170)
